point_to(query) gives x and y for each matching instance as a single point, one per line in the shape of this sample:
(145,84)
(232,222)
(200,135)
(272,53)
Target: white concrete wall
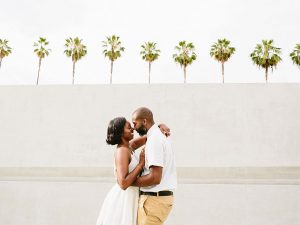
(212,125)
(237,148)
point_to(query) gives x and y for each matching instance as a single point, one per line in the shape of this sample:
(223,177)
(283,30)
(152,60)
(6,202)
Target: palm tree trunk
(184,71)
(223,72)
(266,74)
(0,62)
(73,72)
(38,77)
(149,72)
(111,70)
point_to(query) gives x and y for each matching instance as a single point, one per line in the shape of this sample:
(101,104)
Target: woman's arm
(140,141)
(164,129)
(137,142)
(124,178)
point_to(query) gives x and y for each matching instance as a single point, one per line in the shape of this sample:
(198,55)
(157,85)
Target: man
(159,179)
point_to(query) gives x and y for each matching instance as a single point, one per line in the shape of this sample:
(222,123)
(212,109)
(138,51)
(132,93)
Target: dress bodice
(134,161)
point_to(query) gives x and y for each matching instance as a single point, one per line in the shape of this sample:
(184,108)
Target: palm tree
(295,55)
(41,52)
(5,50)
(266,55)
(149,54)
(221,51)
(112,50)
(185,56)
(76,50)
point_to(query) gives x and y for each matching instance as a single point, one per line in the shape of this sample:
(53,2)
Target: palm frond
(266,55)
(185,55)
(112,47)
(75,49)
(149,51)
(295,55)
(41,51)
(5,49)
(221,51)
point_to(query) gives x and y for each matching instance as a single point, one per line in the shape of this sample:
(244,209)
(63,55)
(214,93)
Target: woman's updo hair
(115,130)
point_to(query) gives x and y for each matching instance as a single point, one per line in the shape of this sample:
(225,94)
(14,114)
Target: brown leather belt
(160,193)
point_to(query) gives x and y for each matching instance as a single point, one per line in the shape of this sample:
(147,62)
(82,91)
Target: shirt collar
(150,131)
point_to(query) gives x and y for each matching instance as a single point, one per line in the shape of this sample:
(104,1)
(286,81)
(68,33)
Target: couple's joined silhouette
(143,194)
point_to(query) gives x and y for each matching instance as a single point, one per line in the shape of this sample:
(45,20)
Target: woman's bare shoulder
(122,152)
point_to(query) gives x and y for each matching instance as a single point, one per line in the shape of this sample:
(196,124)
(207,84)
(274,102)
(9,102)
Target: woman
(121,203)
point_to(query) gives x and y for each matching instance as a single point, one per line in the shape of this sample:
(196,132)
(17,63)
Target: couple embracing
(143,194)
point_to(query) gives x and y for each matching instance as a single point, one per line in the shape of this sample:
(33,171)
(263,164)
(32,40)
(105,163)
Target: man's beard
(142,130)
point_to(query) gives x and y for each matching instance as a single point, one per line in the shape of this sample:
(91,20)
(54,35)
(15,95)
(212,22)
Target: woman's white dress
(119,206)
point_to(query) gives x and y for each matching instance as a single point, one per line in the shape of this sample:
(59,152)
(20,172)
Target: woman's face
(128,131)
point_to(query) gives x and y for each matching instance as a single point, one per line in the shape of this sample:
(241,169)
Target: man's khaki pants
(154,210)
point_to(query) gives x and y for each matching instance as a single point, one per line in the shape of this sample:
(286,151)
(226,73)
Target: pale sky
(166,22)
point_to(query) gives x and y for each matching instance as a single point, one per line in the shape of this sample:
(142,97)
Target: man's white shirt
(158,152)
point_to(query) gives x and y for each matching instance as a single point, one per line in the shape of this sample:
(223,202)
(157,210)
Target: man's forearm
(145,181)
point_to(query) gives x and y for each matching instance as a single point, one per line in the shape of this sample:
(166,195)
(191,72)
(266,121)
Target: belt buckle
(157,194)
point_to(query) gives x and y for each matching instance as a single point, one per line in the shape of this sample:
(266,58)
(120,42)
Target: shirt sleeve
(155,152)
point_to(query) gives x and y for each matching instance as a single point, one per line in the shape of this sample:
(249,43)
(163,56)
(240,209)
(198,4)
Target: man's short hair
(144,113)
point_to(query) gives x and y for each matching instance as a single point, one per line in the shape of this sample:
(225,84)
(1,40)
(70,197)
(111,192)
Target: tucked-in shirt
(158,152)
